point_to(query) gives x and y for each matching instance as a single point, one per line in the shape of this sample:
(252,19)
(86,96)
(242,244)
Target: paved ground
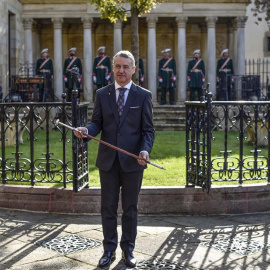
(163,242)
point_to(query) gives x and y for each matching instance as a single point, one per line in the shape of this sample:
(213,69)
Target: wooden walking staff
(57,122)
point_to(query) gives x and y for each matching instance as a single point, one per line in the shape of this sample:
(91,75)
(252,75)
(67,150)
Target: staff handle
(57,122)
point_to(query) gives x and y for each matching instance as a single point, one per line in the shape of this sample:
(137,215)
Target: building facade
(28,26)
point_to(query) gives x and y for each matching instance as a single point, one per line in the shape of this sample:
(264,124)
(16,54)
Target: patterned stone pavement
(35,240)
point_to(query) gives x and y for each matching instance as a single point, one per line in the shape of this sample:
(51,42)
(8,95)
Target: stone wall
(152,200)
(10,15)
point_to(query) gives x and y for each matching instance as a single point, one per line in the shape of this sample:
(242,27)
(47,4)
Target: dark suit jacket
(134,133)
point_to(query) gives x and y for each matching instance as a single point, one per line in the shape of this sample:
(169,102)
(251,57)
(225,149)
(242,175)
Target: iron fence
(227,142)
(34,150)
(260,67)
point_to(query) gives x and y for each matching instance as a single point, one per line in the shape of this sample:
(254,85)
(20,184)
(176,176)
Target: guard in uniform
(196,75)
(44,68)
(70,62)
(102,69)
(141,72)
(167,76)
(225,76)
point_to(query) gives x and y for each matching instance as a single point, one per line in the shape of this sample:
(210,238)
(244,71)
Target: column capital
(241,21)
(28,23)
(181,21)
(118,24)
(152,21)
(87,22)
(211,22)
(57,23)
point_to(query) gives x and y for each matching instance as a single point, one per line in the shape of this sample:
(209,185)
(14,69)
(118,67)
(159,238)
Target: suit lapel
(129,101)
(112,99)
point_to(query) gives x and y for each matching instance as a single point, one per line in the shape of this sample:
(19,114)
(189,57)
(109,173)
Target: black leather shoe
(129,259)
(107,258)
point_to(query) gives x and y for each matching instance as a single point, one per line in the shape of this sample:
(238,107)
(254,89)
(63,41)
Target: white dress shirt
(126,92)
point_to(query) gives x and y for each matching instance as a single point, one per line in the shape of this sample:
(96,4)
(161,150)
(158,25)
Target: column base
(155,102)
(180,101)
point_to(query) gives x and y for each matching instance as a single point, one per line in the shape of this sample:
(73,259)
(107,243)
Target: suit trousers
(130,184)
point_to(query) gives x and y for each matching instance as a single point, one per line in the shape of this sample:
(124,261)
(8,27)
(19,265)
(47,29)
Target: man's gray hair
(125,54)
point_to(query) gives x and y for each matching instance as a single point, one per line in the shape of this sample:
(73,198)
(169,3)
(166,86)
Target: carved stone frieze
(192,42)
(221,43)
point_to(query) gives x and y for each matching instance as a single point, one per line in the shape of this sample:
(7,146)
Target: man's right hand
(94,79)
(65,79)
(81,132)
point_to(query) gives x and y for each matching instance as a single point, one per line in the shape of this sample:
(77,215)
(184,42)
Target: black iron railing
(34,150)
(227,142)
(260,67)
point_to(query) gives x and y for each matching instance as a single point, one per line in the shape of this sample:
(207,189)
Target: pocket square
(136,107)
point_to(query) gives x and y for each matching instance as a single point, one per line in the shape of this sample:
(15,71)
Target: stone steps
(169,118)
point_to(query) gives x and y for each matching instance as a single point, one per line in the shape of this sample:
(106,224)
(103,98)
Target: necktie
(121,101)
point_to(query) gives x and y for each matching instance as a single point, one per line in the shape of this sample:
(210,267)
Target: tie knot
(122,90)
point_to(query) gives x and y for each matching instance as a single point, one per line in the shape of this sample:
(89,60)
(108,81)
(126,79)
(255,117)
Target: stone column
(152,57)
(181,60)
(28,42)
(234,53)
(241,21)
(203,48)
(117,36)
(65,40)
(58,60)
(231,42)
(87,55)
(211,53)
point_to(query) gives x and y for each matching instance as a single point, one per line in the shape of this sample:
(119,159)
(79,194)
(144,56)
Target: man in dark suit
(130,127)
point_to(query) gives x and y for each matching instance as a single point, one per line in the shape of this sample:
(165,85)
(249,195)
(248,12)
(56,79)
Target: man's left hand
(144,156)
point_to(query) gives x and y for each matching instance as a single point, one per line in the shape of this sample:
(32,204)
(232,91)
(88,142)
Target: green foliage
(115,9)
(261,7)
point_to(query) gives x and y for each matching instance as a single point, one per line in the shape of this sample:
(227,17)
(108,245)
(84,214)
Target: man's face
(225,55)
(44,55)
(123,70)
(166,54)
(196,55)
(72,53)
(101,52)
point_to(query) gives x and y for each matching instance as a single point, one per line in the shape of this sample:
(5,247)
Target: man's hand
(81,132)
(65,79)
(107,77)
(94,79)
(145,156)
